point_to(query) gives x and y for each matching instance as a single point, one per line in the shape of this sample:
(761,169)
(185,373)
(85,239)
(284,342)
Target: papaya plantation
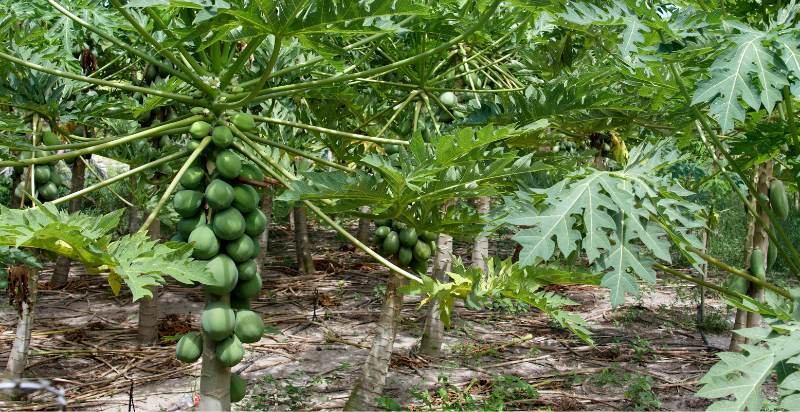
(399,205)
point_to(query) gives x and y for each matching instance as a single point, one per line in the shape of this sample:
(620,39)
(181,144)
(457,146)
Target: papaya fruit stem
(333,132)
(96,147)
(121,176)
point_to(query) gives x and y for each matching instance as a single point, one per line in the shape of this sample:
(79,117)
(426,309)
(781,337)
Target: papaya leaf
(736,382)
(136,260)
(618,218)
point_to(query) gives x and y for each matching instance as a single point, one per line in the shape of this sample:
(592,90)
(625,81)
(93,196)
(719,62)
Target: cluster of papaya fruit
(779,203)
(221,218)
(46,177)
(411,249)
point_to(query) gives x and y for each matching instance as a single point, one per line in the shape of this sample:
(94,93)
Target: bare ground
(319,332)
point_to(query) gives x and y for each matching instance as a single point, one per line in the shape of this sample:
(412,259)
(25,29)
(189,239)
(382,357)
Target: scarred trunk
(215,378)
(18,357)
(63,264)
(370,386)
(305,263)
(480,249)
(148,307)
(433,330)
(760,240)
(363,226)
(266,207)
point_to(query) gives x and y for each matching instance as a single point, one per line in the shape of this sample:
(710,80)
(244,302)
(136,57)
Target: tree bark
(215,378)
(363,226)
(433,330)
(480,249)
(741,315)
(760,240)
(373,378)
(148,307)
(266,208)
(305,263)
(63,264)
(18,357)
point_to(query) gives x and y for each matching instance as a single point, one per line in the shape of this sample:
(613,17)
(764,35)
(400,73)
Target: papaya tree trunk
(480,249)
(148,306)
(305,263)
(266,208)
(24,280)
(433,329)
(760,240)
(63,264)
(363,226)
(215,378)
(740,320)
(369,387)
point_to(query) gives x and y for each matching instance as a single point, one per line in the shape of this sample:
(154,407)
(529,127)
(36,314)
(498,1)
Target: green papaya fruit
(778,200)
(50,139)
(429,236)
(422,251)
(408,237)
(41,174)
(398,226)
(391,244)
(247,270)
(189,347)
(219,194)
(228,224)
(249,326)
(205,244)
(772,255)
(757,263)
(218,320)
(222,136)
(244,121)
(199,129)
(193,178)
(48,191)
(404,256)
(229,164)
(225,274)
(238,388)
(382,232)
(245,198)
(248,289)
(187,202)
(255,223)
(250,171)
(241,249)
(230,351)
(391,149)
(186,225)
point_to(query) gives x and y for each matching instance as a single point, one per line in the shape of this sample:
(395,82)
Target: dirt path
(319,329)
